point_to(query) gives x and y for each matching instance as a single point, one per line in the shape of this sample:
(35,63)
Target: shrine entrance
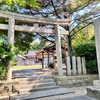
(37,23)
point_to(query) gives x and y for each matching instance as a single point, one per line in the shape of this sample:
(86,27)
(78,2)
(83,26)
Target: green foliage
(92,66)
(87,50)
(23,3)
(7,53)
(39,45)
(23,41)
(83,35)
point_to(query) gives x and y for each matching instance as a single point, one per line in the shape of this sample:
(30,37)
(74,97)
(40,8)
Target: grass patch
(28,67)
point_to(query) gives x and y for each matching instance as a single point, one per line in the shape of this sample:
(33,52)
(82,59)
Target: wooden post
(42,60)
(84,66)
(58,50)
(68,66)
(36,25)
(79,65)
(48,58)
(11,41)
(74,65)
(55,59)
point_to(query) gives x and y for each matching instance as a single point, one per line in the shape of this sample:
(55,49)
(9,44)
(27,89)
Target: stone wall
(8,87)
(72,81)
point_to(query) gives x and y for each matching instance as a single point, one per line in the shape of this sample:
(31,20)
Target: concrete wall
(72,81)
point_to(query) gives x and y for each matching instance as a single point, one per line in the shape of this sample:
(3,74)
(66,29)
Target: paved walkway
(80,94)
(23,73)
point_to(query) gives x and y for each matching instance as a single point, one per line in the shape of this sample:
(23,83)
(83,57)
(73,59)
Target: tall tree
(82,13)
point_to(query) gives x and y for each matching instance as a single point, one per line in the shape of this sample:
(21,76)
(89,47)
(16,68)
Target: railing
(76,66)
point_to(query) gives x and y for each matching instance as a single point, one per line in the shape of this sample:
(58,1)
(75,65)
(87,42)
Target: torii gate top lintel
(30,18)
(35,21)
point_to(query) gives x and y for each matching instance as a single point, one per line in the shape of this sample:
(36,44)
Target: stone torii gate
(97,40)
(94,91)
(37,22)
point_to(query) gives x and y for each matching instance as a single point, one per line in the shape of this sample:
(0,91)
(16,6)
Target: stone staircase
(36,83)
(38,87)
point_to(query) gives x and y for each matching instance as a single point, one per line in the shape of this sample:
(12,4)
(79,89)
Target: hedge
(87,50)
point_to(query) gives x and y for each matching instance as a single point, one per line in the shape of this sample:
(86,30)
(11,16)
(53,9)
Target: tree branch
(82,7)
(81,29)
(83,22)
(55,9)
(45,38)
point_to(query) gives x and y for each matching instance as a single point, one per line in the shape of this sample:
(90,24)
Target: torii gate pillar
(58,50)
(97,40)
(94,91)
(11,41)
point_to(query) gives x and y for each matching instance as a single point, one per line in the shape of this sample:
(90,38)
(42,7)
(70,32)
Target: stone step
(38,89)
(94,91)
(28,82)
(35,77)
(40,94)
(35,85)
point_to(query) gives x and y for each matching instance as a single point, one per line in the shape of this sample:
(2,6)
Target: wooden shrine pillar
(43,60)
(11,41)
(58,50)
(48,59)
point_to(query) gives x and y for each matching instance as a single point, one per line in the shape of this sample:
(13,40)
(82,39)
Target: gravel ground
(80,94)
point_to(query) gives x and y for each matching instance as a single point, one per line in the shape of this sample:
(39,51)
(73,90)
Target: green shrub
(87,50)
(6,56)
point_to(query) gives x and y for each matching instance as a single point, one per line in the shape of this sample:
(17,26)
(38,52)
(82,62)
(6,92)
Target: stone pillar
(74,65)
(84,66)
(68,66)
(94,91)
(79,65)
(11,30)
(58,50)
(36,25)
(97,40)
(11,41)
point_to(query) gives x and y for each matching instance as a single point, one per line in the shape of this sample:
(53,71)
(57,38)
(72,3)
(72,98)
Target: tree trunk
(70,50)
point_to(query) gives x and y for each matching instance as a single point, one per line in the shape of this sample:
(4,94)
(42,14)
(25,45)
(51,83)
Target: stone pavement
(79,94)
(41,94)
(23,73)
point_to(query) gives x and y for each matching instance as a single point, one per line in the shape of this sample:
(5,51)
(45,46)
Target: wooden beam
(33,29)
(31,19)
